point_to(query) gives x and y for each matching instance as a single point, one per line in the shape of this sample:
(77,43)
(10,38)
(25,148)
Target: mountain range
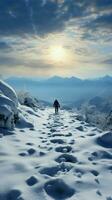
(68,89)
(57,80)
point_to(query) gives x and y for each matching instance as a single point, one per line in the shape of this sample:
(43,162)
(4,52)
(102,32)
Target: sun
(57,53)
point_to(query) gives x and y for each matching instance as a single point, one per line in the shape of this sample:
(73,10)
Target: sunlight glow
(57,53)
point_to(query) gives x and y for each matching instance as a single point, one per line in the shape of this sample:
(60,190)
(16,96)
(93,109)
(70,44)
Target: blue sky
(32,31)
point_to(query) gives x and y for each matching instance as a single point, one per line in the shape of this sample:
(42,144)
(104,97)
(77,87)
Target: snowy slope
(59,157)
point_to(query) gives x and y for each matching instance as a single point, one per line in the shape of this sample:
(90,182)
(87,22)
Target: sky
(56,37)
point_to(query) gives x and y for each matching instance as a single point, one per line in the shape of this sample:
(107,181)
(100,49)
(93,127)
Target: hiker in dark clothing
(56,106)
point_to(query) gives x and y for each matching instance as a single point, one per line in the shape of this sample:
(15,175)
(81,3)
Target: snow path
(57,159)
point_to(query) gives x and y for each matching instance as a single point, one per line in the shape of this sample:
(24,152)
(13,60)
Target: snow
(54,159)
(51,156)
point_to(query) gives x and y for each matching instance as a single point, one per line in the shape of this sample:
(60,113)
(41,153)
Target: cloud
(103,22)
(35,17)
(108,61)
(29,27)
(4,46)
(13,62)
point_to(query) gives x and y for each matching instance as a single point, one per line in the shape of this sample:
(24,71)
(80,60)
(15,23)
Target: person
(56,106)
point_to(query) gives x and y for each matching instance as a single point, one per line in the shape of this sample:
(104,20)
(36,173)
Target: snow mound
(8,106)
(105,140)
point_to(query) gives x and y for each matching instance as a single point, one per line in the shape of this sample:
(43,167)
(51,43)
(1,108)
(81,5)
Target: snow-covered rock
(6,117)
(8,92)
(4,100)
(30,102)
(8,106)
(26,99)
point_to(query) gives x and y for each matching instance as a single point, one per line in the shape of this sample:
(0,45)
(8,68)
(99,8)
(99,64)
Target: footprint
(91,134)
(105,140)
(58,189)
(94,172)
(97,181)
(43,132)
(99,193)
(22,131)
(32,129)
(55,170)
(59,141)
(50,171)
(52,130)
(80,128)
(72,141)
(79,172)
(44,141)
(63,149)
(109,198)
(29,143)
(66,158)
(23,154)
(66,126)
(82,136)
(42,153)
(31,181)
(31,151)
(13,195)
(58,134)
(100,155)
(68,135)
(41,137)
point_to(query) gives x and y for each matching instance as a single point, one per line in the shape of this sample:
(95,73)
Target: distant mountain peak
(64,78)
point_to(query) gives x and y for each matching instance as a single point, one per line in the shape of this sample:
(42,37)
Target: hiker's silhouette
(56,106)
